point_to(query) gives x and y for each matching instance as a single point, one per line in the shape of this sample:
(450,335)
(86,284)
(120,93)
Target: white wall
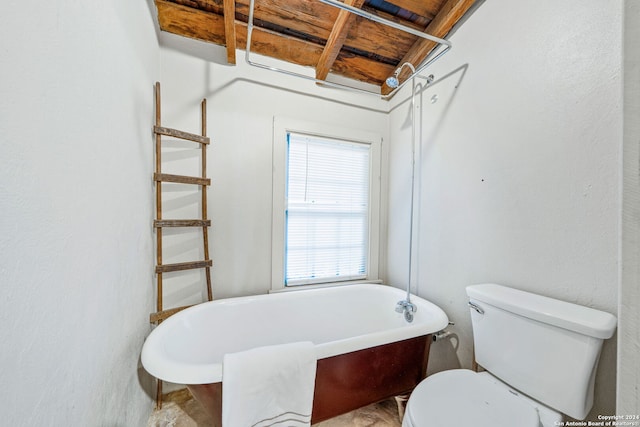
(75,201)
(520,164)
(520,184)
(629,297)
(242,102)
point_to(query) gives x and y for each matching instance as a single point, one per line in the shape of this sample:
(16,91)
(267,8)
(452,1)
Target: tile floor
(181,410)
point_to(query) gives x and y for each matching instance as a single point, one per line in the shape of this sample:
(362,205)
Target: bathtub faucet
(408,308)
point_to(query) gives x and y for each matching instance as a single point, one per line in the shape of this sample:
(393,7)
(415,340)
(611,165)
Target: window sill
(322,285)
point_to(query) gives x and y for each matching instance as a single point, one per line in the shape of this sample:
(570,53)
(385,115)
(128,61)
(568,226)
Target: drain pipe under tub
(448,335)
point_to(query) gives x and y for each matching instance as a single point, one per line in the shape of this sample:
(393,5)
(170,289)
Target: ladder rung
(181,179)
(161,315)
(165,268)
(180,134)
(159,223)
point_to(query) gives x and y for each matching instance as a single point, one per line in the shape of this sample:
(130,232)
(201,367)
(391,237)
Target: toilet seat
(461,397)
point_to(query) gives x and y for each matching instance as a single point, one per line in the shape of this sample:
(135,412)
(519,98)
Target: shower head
(393,81)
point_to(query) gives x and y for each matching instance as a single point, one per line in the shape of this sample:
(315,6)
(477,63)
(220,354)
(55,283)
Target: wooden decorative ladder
(160,223)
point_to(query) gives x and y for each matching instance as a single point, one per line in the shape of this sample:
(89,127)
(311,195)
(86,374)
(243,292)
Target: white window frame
(281,127)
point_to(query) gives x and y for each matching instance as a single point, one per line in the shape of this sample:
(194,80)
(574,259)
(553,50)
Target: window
(327,209)
(326,201)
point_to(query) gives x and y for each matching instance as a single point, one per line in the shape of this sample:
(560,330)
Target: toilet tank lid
(574,317)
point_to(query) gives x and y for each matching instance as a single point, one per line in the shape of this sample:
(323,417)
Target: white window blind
(327,210)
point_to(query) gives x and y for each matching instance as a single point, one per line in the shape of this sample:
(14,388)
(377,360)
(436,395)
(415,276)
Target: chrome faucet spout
(406,305)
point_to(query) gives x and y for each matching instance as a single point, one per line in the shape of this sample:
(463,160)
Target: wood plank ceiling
(314,34)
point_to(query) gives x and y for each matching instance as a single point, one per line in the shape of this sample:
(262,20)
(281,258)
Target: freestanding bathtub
(366,351)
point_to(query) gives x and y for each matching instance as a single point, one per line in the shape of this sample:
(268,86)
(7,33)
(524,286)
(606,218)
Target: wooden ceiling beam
(276,45)
(362,69)
(313,18)
(426,8)
(336,39)
(296,51)
(450,13)
(230,29)
(381,39)
(215,6)
(316,19)
(206,26)
(188,22)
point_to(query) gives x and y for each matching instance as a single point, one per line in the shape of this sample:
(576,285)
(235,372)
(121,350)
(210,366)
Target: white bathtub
(188,348)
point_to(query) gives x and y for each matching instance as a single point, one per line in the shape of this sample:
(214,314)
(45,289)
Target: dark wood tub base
(349,381)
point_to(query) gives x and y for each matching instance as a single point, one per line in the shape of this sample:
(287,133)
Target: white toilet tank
(545,348)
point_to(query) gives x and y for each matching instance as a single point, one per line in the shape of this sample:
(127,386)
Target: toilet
(540,357)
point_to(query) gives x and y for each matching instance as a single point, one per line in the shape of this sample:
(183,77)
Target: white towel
(269,386)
